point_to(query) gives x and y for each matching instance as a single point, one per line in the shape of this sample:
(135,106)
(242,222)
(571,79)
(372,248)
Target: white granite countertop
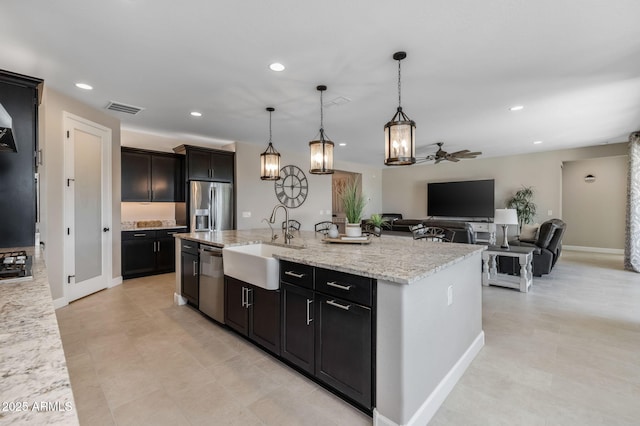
(35,387)
(391,258)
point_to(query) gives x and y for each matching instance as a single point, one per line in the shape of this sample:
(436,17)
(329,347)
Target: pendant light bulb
(321,149)
(270,158)
(400,132)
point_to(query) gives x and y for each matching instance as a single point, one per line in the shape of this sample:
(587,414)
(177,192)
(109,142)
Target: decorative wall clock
(293,187)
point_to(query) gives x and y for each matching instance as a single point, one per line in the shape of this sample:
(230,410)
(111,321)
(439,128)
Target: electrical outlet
(549,212)
(449,295)
(246,214)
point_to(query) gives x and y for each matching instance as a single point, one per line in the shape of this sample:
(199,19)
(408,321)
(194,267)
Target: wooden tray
(340,240)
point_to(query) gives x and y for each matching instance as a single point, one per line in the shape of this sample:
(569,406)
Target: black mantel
(19,96)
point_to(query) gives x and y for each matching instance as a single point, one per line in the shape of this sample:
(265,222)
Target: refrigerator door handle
(214,207)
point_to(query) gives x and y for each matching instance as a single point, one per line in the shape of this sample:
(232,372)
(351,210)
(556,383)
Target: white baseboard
(429,407)
(60,303)
(594,249)
(179,300)
(116,281)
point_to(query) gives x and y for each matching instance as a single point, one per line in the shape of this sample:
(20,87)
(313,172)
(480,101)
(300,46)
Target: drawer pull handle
(337,305)
(341,287)
(186,247)
(139,235)
(309,319)
(293,274)
(195,268)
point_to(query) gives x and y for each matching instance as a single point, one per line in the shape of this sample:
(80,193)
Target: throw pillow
(529,232)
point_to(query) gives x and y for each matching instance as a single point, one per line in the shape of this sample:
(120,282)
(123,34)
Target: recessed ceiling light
(516,108)
(537,142)
(196,114)
(276,66)
(84,86)
(342,144)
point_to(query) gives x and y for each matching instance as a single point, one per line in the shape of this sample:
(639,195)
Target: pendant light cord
(269,126)
(321,113)
(399,91)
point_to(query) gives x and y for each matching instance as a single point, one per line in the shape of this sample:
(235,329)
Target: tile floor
(566,353)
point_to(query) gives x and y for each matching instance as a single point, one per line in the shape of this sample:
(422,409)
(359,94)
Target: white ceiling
(573,64)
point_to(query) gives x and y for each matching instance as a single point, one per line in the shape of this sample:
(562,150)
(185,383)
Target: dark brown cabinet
(148,252)
(152,176)
(189,262)
(298,346)
(328,328)
(253,312)
(210,165)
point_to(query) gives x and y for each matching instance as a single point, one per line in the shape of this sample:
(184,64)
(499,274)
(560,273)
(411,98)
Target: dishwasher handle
(211,251)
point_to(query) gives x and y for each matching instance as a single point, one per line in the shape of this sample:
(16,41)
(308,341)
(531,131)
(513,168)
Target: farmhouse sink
(254,264)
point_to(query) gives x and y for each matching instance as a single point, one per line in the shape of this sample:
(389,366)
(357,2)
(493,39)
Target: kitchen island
(35,387)
(428,311)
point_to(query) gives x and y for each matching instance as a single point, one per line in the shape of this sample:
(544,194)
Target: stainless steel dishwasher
(211,301)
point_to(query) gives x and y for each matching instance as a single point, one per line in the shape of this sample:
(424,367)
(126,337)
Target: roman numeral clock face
(292,188)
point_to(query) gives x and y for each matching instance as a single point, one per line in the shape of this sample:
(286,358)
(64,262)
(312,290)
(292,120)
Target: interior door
(87,221)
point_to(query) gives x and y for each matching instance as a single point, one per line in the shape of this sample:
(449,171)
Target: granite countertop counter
(392,258)
(35,387)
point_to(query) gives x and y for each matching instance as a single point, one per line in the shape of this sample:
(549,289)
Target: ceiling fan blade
(438,160)
(458,153)
(454,159)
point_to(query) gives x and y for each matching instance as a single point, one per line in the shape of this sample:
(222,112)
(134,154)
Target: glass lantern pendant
(400,132)
(270,158)
(321,149)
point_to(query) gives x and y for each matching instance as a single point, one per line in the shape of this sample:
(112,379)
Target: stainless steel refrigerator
(211,206)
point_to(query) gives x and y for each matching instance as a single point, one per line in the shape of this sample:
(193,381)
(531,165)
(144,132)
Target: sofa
(463,230)
(547,249)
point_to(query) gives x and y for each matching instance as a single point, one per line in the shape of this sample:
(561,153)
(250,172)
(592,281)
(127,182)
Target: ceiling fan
(441,155)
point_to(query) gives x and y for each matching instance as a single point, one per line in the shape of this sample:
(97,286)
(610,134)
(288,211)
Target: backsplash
(130,225)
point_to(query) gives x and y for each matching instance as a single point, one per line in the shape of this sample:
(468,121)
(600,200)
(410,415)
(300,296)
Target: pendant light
(400,132)
(321,149)
(270,158)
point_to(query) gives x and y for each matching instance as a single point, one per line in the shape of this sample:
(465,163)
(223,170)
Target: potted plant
(353,203)
(522,202)
(377,221)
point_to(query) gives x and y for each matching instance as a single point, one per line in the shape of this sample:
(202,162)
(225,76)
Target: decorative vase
(353,230)
(333,231)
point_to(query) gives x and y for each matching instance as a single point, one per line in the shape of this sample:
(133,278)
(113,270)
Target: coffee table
(490,270)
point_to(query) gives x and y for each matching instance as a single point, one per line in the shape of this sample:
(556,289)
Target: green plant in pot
(522,201)
(377,221)
(353,203)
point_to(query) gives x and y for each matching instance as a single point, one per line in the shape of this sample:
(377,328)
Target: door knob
(105,229)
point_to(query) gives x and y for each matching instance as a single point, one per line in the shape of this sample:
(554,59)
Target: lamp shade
(270,164)
(321,156)
(506,217)
(400,140)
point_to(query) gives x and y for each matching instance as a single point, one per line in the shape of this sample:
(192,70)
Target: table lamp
(505,217)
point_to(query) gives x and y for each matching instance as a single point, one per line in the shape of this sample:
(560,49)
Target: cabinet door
(343,347)
(298,326)
(199,164)
(136,176)
(236,314)
(166,254)
(222,167)
(138,257)
(264,318)
(189,263)
(165,178)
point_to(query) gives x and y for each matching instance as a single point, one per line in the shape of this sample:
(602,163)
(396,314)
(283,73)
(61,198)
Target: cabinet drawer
(189,247)
(138,235)
(169,232)
(350,287)
(297,274)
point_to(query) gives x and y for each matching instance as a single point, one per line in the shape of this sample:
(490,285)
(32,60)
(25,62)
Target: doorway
(87,207)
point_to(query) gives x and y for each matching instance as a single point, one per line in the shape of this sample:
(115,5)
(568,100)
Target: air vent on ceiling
(340,100)
(127,109)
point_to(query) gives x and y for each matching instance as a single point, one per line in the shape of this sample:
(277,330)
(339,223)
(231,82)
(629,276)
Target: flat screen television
(473,198)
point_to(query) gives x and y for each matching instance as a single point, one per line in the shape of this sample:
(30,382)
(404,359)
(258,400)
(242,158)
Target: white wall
(258,197)
(404,188)
(52,189)
(597,210)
